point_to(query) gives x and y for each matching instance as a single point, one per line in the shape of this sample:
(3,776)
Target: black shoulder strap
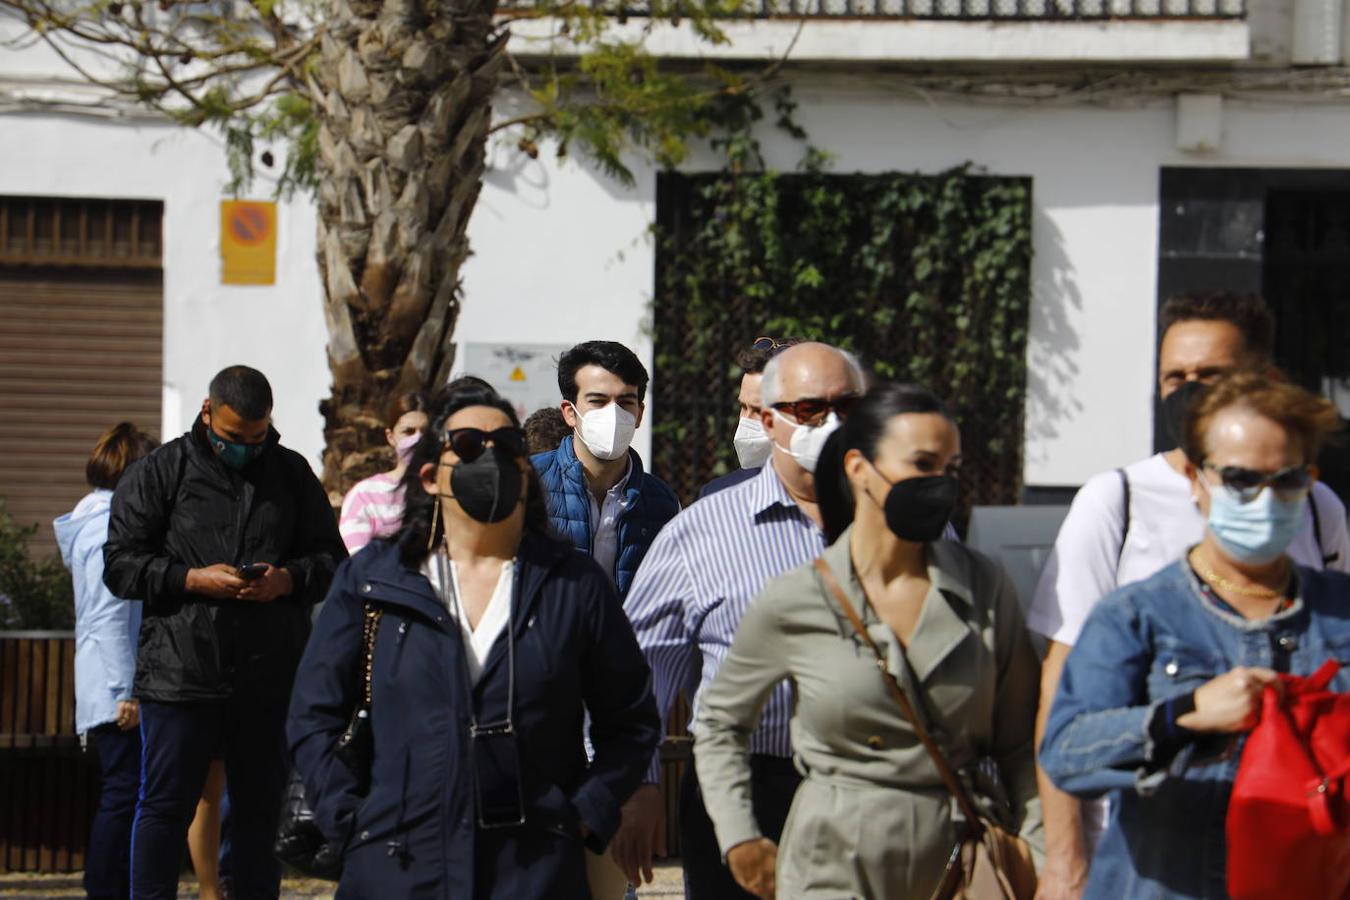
(1125,517)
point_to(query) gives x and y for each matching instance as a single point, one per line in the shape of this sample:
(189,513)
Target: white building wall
(562,253)
(207,326)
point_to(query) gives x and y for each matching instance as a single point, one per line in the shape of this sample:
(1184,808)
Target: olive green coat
(872,819)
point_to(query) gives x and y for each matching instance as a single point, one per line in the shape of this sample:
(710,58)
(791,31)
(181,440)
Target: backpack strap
(1124,519)
(1327,558)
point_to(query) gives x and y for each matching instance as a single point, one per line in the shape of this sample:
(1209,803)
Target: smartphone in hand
(252,571)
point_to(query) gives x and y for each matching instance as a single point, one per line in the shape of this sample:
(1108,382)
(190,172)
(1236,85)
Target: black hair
(862,431)
(243,390)
(1248,313)
(608,355)
(752,360)
(415,533)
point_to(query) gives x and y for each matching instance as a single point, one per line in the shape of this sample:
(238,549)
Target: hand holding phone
(252,572)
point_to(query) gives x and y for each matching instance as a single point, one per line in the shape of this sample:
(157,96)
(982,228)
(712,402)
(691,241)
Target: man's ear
(206,411)
(768,420)
(642,409)
(569,414)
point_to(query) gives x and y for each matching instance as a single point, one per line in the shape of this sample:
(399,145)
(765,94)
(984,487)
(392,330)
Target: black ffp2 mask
(918,509)
(488,487)
(1175,407)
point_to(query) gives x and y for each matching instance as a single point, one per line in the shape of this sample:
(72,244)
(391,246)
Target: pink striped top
(372,509)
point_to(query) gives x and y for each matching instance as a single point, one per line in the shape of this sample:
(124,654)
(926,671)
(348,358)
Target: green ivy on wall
(926,277)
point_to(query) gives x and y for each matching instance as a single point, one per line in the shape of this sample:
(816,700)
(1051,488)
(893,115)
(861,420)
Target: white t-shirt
(1164,524)
(1088,561)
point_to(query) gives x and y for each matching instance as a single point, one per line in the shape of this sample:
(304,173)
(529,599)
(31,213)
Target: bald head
(811,370)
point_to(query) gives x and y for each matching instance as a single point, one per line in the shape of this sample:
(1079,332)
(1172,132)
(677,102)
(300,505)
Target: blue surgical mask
(1256,532)
(233,454)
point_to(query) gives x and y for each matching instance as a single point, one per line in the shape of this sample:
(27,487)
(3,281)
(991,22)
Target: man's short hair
(612,357)
(1246,312)
(243,390)
(752,360)
(545,429)
(771,392)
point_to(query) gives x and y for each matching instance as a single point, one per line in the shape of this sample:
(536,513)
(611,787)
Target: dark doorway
(1284,234)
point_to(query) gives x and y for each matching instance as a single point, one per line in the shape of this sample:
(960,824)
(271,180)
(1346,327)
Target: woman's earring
(435,520)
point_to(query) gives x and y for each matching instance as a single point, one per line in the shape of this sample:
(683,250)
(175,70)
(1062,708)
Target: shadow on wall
(512,171)
(1052,344)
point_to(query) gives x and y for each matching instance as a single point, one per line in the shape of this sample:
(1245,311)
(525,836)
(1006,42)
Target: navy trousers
(107,864)
(179,741)
(773,782)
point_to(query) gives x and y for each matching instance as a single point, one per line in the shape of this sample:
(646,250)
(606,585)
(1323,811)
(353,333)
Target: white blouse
(477,641)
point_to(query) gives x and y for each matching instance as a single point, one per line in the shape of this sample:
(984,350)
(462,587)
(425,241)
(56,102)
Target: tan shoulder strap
(944,768)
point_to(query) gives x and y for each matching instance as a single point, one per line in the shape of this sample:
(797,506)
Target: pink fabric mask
(405,448)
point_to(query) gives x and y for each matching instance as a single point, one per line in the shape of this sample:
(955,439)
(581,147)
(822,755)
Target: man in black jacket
(229,540)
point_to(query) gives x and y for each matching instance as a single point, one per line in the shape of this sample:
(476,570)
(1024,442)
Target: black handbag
(300,844)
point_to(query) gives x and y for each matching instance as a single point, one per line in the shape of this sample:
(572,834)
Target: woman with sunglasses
(1167,677)
(489,642)
(872,819)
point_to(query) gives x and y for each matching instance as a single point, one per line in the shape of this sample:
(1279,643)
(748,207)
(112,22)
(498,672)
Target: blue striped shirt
(698,579)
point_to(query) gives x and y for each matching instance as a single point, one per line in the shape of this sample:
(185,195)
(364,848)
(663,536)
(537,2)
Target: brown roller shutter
(80,350)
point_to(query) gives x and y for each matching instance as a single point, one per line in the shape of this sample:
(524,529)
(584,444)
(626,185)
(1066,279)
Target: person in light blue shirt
(106,630)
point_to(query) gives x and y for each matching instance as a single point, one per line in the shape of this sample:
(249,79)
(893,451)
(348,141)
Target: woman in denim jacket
(1166,681)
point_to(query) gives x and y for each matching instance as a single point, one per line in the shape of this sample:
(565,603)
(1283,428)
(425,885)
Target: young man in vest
(597,492)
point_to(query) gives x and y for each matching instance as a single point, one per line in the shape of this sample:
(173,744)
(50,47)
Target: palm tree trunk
(403,95)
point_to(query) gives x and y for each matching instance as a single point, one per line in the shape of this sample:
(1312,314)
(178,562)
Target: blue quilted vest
(651,504)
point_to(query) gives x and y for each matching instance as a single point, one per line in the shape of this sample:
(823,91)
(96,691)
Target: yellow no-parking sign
(248,242)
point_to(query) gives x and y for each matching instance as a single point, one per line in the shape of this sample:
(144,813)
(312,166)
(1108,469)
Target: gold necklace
(1223,584)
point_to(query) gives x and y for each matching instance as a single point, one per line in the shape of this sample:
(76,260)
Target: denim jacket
(1147,642)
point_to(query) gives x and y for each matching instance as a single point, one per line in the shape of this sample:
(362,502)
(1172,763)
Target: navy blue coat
(413,834)
(731,479)
(651,504)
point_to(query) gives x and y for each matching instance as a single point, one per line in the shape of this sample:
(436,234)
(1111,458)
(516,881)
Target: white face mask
(752,444)
(606,431)
(808,440)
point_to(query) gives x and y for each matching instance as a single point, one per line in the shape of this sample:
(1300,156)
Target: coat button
(367,589)
(875,742)
(1288,644)
(364,835)
(1172,668)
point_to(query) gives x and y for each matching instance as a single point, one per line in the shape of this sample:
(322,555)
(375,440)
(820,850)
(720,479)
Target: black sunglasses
(1247,483)
(469,443)
(773,345)
(813,411)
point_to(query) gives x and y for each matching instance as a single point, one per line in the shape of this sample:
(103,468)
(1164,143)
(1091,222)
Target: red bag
(1289,816)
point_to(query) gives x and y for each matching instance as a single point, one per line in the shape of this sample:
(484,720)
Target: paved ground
(668,885)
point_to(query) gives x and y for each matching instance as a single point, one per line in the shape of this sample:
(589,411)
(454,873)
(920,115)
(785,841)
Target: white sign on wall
(525,374)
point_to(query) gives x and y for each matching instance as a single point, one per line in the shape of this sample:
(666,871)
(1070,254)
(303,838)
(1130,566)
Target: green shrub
(35,594)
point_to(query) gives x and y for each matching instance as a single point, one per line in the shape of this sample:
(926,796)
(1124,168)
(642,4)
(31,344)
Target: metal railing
(951,10)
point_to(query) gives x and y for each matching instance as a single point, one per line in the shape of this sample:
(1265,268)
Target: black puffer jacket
(180,508)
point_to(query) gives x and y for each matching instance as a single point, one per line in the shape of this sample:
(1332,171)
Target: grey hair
(770,390)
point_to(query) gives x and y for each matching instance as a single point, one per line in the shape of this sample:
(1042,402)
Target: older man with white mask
(698,579)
